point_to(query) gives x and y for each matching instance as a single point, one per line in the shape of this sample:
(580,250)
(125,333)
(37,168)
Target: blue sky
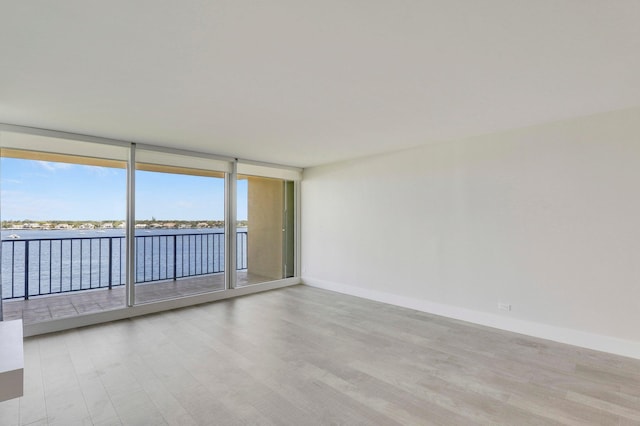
(39,190)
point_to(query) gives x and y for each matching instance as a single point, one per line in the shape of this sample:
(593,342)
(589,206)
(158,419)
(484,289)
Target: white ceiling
(305,83)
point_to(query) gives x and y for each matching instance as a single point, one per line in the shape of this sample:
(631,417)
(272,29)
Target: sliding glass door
(179,226)
(63,206)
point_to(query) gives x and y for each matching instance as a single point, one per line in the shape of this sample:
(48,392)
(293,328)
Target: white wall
(545,218)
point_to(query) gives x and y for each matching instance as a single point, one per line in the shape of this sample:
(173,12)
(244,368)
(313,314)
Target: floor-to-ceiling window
(62,206)
(179,225)
(91,225)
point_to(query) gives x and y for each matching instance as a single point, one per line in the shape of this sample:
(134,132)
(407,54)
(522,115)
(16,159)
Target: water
(70,260)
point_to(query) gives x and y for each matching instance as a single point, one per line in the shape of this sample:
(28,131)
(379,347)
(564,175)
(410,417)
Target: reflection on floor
(45,308)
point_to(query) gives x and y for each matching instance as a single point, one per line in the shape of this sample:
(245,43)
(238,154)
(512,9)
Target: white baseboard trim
(614,345)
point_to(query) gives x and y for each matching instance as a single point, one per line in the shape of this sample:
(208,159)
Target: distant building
(63,226)
(141,225)
(202,225)
(87,226)
(122,225)
(107,225)
(170,225)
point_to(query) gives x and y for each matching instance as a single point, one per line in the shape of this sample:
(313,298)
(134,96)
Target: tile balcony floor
(45,308)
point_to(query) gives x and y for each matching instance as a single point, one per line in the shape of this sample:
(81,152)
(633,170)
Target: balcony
(44,279)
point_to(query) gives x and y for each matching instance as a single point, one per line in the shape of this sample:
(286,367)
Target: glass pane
(179,232)
(265,241)
(63,242)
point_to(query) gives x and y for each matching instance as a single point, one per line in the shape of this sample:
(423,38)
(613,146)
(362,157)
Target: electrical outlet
(504,306)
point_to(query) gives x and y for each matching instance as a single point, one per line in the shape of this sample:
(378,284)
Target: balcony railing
(34,267)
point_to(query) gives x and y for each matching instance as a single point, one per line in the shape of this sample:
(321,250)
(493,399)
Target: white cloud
(99,171)
(52,167)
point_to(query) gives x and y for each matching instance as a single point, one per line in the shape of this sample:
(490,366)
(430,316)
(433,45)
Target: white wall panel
(543,218)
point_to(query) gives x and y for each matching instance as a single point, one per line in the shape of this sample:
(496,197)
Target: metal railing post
(13,268)
(110,263)
(26,270)
(175,257)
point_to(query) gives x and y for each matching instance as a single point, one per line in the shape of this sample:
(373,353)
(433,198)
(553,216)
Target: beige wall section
(265,198)
(544,219)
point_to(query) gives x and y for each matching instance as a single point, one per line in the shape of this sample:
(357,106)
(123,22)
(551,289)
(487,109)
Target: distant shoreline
(75,225)
(97,233)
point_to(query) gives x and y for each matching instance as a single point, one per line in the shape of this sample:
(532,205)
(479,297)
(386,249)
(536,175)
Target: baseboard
(628,348)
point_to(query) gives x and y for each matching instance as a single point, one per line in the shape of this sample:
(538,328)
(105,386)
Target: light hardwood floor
(304,356)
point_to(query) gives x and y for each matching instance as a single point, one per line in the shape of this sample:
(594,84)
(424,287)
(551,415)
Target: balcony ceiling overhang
(310,83)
